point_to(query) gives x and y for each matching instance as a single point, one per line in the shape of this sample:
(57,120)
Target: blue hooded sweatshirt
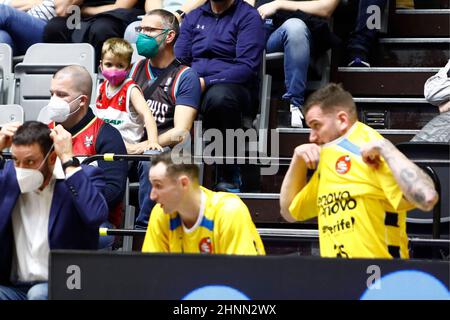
(224,48)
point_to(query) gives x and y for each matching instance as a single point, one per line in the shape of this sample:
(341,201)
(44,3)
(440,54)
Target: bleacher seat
(6,75)
(33,75)
(10,113)
(135,57)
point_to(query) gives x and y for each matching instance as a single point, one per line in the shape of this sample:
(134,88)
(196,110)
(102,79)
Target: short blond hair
(118,47)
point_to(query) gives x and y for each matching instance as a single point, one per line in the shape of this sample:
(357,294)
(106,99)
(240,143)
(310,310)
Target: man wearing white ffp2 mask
(42,208)
(30,179)
(71,89)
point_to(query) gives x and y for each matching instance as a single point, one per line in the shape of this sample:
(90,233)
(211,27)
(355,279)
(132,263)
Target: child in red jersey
(120,101)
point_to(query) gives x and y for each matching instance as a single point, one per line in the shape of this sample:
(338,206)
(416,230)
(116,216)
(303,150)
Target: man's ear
(184,180)
(343,120)
(52,157)
(84,99)
(170,37)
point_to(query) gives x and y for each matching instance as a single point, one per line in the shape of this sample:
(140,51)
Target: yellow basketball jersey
(224,226)
(361,211)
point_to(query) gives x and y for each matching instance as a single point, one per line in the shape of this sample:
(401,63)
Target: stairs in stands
(389,95)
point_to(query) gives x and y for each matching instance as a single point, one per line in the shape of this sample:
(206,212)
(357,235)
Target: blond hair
(118,47)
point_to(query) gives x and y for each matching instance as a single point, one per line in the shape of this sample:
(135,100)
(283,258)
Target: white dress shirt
(30,228)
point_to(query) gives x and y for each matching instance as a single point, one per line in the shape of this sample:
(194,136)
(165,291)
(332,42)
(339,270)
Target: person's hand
(268,9)
(153,146)
(62,6)
(202,84)
(62,140)
(6,134)
(371,153)
(308,153)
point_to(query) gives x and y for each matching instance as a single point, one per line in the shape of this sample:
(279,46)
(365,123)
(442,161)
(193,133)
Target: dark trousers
(223,106)
(363,38)
(100,29)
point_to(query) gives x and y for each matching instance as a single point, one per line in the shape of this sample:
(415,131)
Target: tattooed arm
(416,185)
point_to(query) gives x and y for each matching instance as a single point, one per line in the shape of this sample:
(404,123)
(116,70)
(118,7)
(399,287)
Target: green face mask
(148,46)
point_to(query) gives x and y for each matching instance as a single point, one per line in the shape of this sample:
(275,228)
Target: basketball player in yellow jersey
(362,185)
(191,219)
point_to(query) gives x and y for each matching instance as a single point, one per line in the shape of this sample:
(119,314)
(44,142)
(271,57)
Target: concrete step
(384,81)
(396,113)
(292,137)
(420,23)
(411,52)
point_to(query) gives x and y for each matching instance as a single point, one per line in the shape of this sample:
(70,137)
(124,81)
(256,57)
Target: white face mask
(57,110)
(31,179)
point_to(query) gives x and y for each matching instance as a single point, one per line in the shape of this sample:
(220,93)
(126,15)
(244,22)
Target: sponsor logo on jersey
(343,164)
(205,245)
(88,140)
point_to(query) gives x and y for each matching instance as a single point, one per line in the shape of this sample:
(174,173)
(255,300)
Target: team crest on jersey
(205,245)
(88,140)
(343,164)
(121,100)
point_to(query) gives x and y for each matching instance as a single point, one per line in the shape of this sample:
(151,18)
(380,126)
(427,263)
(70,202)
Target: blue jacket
(77,210)
(223,49)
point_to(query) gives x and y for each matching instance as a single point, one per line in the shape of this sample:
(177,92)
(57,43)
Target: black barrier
(101,275)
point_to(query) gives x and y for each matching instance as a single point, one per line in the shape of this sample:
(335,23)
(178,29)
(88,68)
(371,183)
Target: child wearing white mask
(120,101)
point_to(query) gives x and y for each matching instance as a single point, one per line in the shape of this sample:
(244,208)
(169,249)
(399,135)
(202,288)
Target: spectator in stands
(100,21)
(173,95)
(22,22)
(223,40)
(363,38)
(291,31)
(437,92)
(192,219)
(71,89)
(120,101)
(178,7)
(43,209)
(361,188)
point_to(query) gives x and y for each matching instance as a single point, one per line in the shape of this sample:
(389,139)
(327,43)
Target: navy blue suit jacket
(77,210)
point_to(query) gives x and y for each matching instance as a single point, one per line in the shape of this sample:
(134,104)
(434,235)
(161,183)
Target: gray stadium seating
(10,113)
(6,75)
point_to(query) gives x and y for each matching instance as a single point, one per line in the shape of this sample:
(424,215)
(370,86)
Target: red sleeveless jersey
(83,142)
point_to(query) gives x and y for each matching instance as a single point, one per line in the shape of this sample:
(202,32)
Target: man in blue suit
(41,208)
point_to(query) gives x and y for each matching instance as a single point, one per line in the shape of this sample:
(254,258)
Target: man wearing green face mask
(148,46)
(173,101)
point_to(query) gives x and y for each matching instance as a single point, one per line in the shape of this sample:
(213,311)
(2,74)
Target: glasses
(147,29)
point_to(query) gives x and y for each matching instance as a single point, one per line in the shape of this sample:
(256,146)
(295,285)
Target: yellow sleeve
(391,189)
(304,205)
(156,237)
(237,232)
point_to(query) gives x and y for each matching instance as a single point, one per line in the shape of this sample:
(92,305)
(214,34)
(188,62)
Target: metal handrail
(291,234)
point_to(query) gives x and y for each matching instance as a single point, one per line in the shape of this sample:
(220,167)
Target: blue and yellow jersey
(224,226)
(361,211)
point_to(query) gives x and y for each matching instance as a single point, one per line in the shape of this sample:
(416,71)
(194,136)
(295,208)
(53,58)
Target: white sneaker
(297,117)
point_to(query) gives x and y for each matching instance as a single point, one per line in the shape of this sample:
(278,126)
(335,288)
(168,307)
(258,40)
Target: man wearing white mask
(42,208)
(71,89)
